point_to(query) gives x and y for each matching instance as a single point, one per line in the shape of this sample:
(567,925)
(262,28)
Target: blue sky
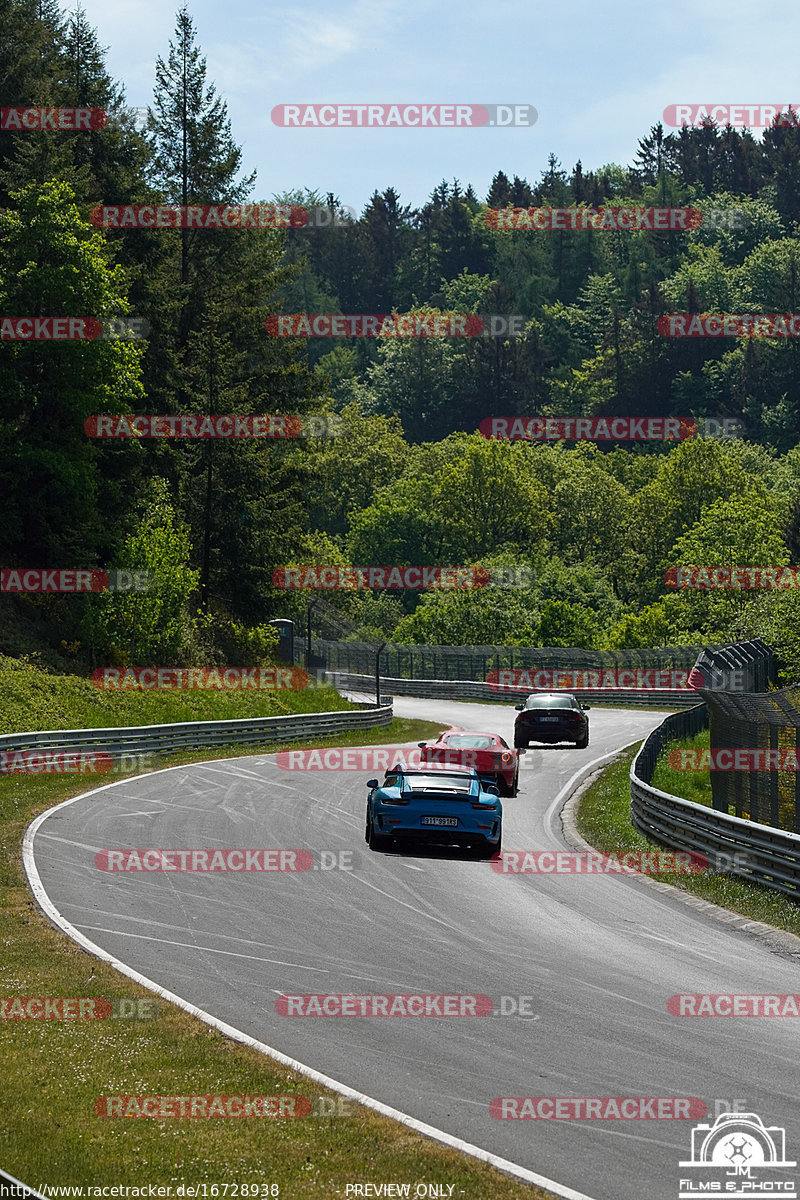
(598,75)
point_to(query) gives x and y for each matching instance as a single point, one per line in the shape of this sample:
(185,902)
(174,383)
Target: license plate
(549,718)
(449,821)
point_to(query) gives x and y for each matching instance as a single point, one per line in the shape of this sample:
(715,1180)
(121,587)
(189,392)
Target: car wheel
(521,745)
(375,841)
(583,742)
(489,851)
(515,785)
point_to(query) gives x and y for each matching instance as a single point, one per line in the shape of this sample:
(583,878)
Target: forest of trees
(408,481)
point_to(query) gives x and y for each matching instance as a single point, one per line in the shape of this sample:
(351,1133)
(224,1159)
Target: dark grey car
(551,717)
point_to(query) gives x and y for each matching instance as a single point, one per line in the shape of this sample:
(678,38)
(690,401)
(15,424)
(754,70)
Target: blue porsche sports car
(430,805)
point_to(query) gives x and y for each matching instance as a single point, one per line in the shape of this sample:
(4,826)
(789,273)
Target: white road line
(155,812)
(437,1135)
(145,937)
(555,807)
(53,837)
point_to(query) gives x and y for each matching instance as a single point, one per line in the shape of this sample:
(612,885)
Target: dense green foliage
(408,481)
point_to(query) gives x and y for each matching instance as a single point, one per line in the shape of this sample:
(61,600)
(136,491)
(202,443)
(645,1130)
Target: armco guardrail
(464,689)
(755,852)
(200,734)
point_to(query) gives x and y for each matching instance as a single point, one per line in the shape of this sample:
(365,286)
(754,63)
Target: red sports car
(487,752)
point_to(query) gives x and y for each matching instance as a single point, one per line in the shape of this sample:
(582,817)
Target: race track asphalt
(598,956)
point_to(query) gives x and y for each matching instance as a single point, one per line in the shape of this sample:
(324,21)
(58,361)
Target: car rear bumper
(539,733)
(440,837)
(441,833)
(550,739)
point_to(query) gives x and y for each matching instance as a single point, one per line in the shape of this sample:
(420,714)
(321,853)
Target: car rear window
(465,741)
(551,702)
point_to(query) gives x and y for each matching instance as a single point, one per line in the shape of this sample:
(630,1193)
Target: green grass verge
(603,818)
(53,1071)
(696,785)
(689,785)
(33,699)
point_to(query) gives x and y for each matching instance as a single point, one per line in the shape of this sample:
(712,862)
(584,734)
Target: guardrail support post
(378,674)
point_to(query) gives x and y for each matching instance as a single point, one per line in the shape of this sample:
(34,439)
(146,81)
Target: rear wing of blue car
(486,795)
